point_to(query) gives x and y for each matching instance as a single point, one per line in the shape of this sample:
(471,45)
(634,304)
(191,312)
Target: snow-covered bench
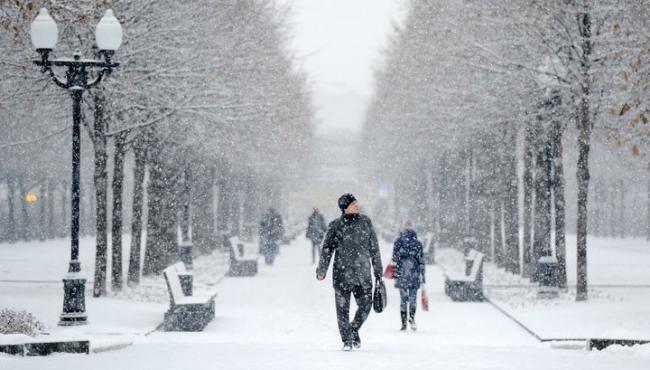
(19,344)
(241,262)
(186,278)
(468,286)
(186,312)
(428,245)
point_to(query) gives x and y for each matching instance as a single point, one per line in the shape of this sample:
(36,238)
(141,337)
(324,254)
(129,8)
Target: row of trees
(206,110)
(476,103)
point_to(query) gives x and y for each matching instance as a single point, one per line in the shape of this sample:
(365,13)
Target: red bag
(389,273)
(425,301)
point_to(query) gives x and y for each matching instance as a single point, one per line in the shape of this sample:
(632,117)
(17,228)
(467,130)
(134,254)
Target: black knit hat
(345,200)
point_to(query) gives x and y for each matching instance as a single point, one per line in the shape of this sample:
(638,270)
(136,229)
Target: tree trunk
(483,203)
(584,142)
(583,186)
(446,200)
(543,189)
(186,200)
(560,208)
(201,200)
(154,261)
(235,207)
(116,220)
(512,204)
(101,191)
(162,243)
(471,197)
(540,197)
(223,204)
(498,176)
(136,214)
(497,227)
(459,202)
(529,156)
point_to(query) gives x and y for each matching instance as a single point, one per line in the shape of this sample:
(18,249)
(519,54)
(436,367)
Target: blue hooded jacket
(408,257)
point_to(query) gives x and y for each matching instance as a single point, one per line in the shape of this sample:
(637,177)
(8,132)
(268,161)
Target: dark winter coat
(316,227)
(353,242)
(271,228)
(409,260)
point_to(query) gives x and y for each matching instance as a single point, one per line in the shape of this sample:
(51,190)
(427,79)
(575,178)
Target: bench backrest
(234,251)
(477,267)
(173,282)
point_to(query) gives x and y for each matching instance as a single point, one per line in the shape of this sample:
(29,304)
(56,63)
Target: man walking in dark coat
(316,229)
(353,242)
(271,231)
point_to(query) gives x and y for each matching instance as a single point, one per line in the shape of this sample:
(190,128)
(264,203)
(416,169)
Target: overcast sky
(338,43)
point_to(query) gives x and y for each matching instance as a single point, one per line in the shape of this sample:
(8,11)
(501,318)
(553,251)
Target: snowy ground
(284,319)
(619,294)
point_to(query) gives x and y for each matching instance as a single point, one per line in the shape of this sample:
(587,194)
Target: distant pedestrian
(408,258)
(316,229)
(271,232)
(353,242)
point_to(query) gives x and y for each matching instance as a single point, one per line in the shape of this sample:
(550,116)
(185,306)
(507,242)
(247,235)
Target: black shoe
(347,347)
(403,315)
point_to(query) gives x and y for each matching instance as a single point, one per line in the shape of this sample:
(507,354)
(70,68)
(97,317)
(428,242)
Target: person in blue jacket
(408,258)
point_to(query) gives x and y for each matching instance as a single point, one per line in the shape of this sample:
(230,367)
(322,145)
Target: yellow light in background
(31,198)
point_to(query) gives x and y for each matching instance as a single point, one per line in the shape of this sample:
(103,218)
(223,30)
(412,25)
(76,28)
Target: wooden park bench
(241,263)
(45,347)
(186,312)
(468,286)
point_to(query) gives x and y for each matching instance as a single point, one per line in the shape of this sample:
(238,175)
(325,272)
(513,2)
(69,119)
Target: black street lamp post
(44,34)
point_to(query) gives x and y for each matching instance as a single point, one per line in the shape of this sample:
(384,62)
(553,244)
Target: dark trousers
(408,296)
(270,250)
(363,297)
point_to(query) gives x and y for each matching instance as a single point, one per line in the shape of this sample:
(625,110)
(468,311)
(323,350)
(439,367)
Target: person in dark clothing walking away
(408,258)
(271,231)
(353,242)
(316,229)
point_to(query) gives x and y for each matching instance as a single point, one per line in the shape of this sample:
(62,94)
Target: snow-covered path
(284,319)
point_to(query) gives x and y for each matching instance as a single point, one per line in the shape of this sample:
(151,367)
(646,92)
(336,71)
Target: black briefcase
(379,296)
